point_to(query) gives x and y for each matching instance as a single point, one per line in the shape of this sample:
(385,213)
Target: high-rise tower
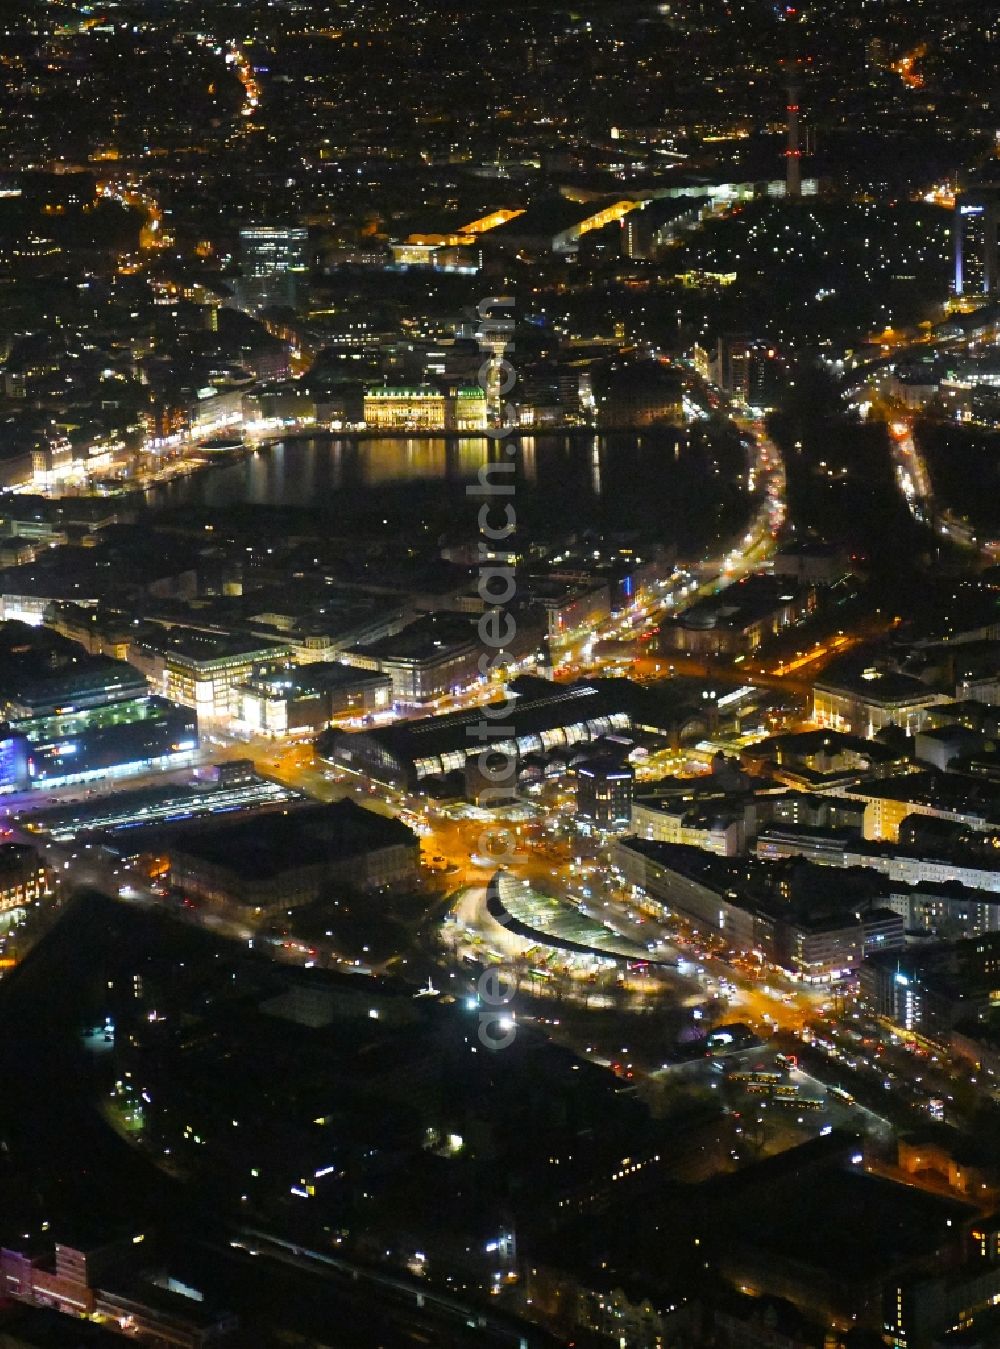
(792,67)
(976,232)
(793,153)
(274,261)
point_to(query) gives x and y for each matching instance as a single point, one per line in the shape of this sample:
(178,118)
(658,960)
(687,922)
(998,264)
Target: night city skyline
(500,674)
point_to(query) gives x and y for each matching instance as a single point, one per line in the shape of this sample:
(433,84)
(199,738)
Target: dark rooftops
(200,647)
(752,598)
(810,895)
(40,670)
(312,835)
(804,744)
(943,791)
(825,1213)
(427,638)
(47,1328)
(548,217)
(15,857)
(324,676)
(860,678)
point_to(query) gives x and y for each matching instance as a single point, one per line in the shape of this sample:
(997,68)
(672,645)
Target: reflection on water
(301,472)
(384,461)
(529,462)
(595,465)
(618,480)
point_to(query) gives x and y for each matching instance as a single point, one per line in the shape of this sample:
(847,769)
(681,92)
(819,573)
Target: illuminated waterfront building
(423,407)
(417,408)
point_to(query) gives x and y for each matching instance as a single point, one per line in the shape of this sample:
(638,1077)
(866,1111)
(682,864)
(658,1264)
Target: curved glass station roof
(516,904)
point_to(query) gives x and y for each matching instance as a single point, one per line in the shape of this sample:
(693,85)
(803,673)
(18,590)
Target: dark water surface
(679,484)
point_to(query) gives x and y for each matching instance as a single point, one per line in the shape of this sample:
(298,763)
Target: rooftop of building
(47,1328)
(808,832)
(15,857)
(718,806)
(561,589)
(667,789)
(403,391)
(539,705)
(321,676)
(815,897)
(125,559)
(805,744)
(950,735)
(605,766)
(942,791)
(311,835)
(965,709)
(859,677)
(138,813)
(818,548)
(660,210)
(947,970)
(86,676)
(426,639)
(39,667)
(926,853)
(202,648)
(152,1295)
(549,216)
(622,376)
(830,1215)
(752,598)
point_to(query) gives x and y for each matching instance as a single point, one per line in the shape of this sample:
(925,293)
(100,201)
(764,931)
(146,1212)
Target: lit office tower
(977,215)
(604,789)
(274,262)
(749,369)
